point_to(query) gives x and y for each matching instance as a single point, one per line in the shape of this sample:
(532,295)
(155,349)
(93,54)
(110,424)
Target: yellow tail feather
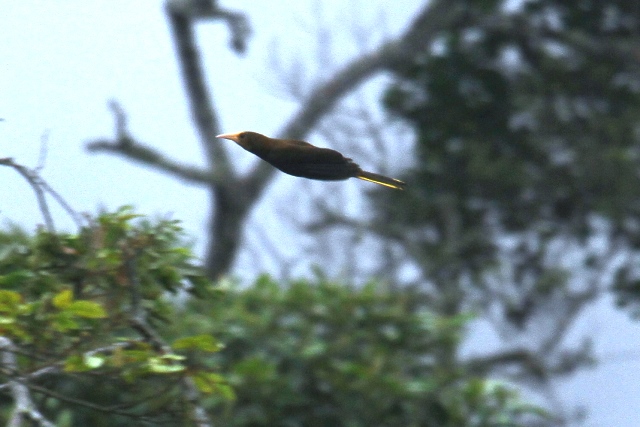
(382,180)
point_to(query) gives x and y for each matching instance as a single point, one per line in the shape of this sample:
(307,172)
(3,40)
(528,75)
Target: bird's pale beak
(229,136)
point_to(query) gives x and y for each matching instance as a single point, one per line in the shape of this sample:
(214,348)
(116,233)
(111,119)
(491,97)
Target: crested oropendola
(299,158)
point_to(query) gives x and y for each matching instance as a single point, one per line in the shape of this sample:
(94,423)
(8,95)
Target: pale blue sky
(61,61)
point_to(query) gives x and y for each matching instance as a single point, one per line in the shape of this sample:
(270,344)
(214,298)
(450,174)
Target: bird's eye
(242,135)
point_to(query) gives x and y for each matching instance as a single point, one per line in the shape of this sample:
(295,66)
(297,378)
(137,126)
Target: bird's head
(245,139)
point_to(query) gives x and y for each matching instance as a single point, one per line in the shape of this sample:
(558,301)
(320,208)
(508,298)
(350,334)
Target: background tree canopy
(85,332)
(527,154)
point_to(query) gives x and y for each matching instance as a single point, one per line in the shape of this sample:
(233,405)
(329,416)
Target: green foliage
(304,354)
(319,354)
(73,304)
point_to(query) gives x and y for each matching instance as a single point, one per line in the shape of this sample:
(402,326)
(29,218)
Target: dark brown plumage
(299,158)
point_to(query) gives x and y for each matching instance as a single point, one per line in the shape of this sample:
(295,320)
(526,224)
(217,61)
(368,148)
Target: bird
(299,158)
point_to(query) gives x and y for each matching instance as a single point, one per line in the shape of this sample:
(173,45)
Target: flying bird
(299,158)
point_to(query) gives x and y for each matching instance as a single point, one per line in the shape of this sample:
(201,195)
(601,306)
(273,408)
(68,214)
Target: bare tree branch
(200,102)
(24,406)
(209,9)
(129,148)
(532,364)
(42,157)
(34,180)
(149,157)
(230,198)
(40,187)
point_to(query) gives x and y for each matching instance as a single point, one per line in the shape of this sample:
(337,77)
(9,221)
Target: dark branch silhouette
(41,189)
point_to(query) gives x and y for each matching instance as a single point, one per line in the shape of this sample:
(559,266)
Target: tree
(79,315)
(522,204)
(232,194)
(317,353)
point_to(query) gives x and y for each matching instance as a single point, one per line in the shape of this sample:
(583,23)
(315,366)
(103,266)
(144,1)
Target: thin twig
(77,218)
(128,147)
(122,132)
(40,187)
(42,157)
(36,183)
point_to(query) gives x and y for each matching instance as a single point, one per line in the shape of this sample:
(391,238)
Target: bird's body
(299,158)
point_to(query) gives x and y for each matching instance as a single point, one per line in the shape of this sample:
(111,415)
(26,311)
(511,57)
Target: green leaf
(83,363)
(9,301)
(87,309)
(198,342)
(165,364)
(63,299)
(172,357)
(15,278)
(207,382)
(210,382)
(132,356)
(75,363)
(27,309)
(4,320)
(226,391)
(64,321)
(165,369)
(93,361)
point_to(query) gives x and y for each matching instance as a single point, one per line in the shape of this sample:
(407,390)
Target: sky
(62,61)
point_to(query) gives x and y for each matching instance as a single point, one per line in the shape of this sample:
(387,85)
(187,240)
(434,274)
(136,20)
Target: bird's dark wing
(299,143)
(303,159)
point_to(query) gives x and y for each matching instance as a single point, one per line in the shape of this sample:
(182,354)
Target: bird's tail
(382,180)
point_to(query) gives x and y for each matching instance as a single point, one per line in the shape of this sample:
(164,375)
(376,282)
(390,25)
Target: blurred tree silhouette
(523,202)
(78,320)
(527,143)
